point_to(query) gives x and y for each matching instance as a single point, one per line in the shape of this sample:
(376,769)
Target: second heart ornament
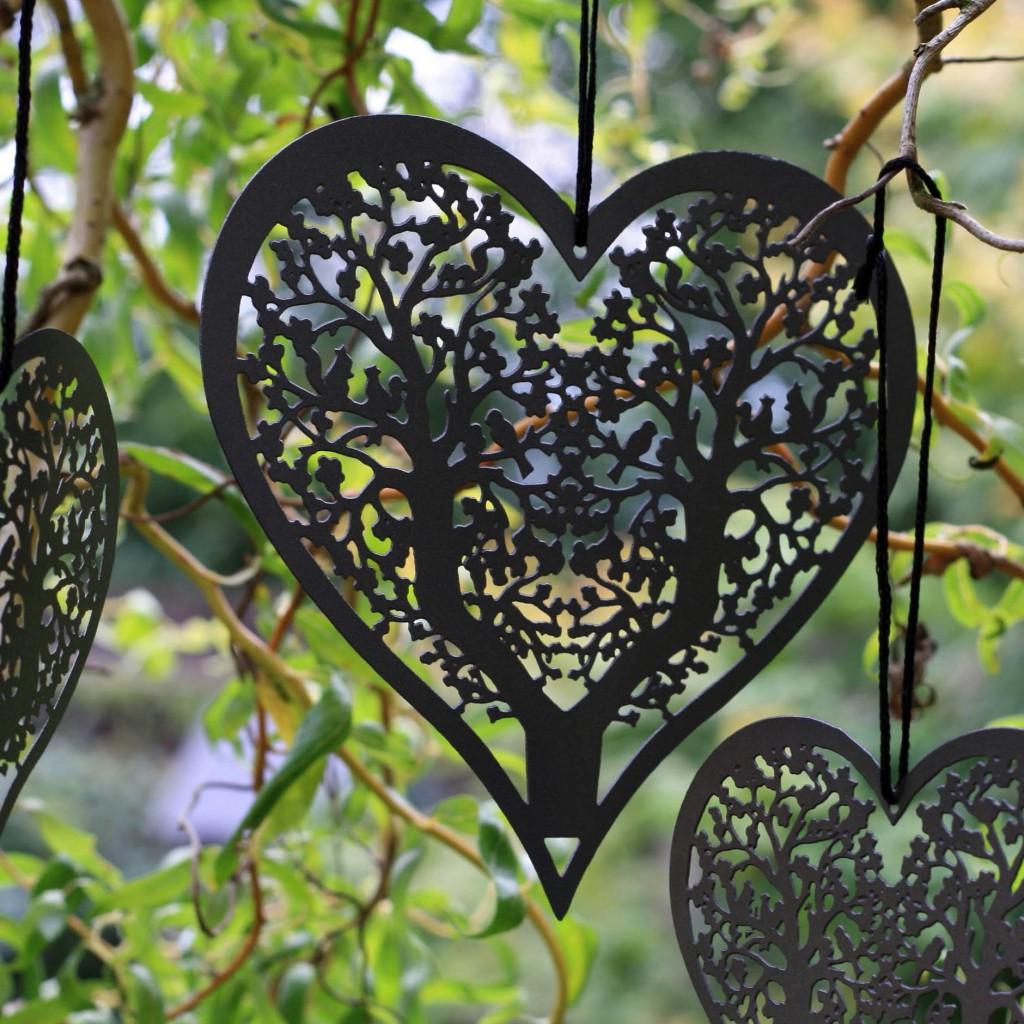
(788,909)
(596,489)
(58,529)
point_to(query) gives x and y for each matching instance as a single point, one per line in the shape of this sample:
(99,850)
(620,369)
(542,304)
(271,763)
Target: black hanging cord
(10,292)
(585,128)
(876,268)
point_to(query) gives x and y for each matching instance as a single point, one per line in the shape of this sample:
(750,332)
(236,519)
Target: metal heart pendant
(58,528)
(594,491)
(794,899)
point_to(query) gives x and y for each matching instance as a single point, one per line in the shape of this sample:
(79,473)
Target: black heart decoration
(589,517)
(786,908)
(58,528)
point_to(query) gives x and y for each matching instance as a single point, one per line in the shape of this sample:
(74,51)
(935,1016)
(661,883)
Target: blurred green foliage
(356,912)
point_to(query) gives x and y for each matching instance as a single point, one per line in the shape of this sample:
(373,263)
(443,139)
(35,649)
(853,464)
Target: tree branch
(284,691)
(65,302)
(150,273)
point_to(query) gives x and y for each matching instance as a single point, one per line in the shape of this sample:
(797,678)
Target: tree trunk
(563,770)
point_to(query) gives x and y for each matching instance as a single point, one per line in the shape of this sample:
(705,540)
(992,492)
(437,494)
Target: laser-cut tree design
(787,890)
(540,516)
(969,859)
(57,522)
(795,921)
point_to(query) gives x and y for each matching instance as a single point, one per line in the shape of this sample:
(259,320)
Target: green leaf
(166,885)
(196,474)
(463,17)
(961,596)
(1008,722)
(324,728)
(904,243)
(293,992)
(579,948)
(282,12)
(72,843)
(970,305)
(25,866)
(49,1012)
(502,865)
(992,631)
(147,999)
(229,712)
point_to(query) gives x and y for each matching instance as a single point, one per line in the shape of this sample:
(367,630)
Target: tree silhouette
(793,920)
(550,520)
(788,892)
(53,531)
(969,859)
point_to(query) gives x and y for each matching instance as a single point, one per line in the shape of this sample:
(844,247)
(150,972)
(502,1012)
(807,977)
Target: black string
(876,268)
(585,127)
(10,293)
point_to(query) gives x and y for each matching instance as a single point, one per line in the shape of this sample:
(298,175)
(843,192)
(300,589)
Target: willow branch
(857,132)
(149,272)
(134,507)
(275,668)
(926,57)
(464,848)
(65,302)
(247,949)
(8,11)
(72,52)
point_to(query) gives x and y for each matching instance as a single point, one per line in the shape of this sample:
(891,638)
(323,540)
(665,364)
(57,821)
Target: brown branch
(148,270)
(66,301)
(464,848)
(71,50)
(287,698)
(258,773)
(948,418)
(248,948)
(928,57)
(942,552)
(8,11)
(858,131)
(347,68)
(150,273)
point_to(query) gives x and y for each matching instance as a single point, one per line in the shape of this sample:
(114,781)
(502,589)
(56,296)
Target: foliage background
(95,886)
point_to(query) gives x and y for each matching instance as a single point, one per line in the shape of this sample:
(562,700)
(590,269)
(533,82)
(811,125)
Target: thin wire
(10,290)
(876,268)
(585,123)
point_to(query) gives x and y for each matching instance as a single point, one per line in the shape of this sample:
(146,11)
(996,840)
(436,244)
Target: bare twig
(150,273)
(992,59)
(196,850)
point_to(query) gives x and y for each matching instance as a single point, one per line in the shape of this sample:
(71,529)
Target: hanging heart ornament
(58,528)
(799,894)
(594,491)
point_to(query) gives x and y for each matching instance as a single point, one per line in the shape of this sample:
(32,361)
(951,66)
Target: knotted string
(875,269)
(10,293)
(585,124)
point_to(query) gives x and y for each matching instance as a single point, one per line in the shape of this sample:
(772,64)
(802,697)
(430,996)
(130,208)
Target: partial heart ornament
(799,894)
(567,498)
(58,528)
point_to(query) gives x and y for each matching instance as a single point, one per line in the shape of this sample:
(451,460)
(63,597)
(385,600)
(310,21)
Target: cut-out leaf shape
(58,529)
(799,894)
(585,545)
